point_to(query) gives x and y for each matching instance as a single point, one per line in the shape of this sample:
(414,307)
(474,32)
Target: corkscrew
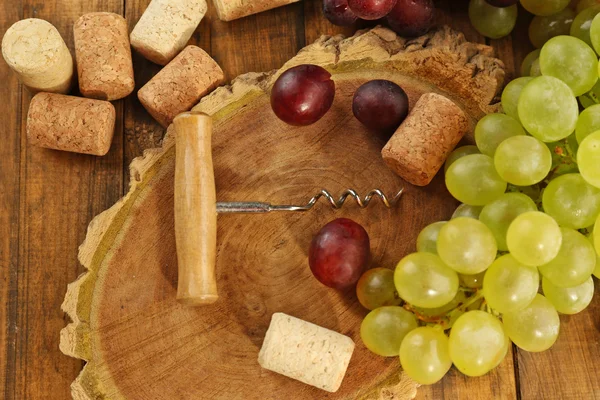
(196,208)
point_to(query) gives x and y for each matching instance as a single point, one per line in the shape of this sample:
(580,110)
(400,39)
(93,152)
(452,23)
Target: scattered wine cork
(180,85)
(68,123)
(306,352)
(228,10)
(34,49)
(165,28)
(425,139)
(103,56)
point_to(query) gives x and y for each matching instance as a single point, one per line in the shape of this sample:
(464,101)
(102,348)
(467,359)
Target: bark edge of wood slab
(139,342)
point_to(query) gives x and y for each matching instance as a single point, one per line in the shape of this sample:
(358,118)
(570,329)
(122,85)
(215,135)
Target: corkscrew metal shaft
(263,208)
(196,208)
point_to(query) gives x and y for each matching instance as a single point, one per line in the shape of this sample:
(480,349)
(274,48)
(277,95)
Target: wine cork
(228,10)
(425,139)
(306,352)
(180,85)
(103,56)
(34,49)
(165,28)
(69,123)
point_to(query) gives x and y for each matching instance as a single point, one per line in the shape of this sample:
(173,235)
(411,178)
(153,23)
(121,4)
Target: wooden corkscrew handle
(195,210)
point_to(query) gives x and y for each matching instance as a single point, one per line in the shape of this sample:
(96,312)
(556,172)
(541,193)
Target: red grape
(376,289)
(371,9)
(502,3)
(380,105)
(302,95)
(412,17)
(338,12)
(339,253)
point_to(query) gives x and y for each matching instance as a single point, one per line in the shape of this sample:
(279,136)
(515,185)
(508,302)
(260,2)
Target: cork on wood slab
(229,10)
(180,85)
(103,56)
(34,49)
(165,28)
(261,264)
(425,139)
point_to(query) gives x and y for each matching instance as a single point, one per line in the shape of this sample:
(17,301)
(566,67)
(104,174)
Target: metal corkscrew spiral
(261,208)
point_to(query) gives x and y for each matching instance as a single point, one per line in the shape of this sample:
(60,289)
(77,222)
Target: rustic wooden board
(124,310)
(33,277)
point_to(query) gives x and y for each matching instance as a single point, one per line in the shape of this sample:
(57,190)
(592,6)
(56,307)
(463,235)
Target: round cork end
(32,46)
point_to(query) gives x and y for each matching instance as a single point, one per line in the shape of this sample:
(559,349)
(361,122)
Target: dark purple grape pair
(405,17)
(304,94)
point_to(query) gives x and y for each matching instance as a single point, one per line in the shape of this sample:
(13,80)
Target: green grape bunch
(524,245)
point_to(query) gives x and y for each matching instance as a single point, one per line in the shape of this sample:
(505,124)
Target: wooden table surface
(47,199)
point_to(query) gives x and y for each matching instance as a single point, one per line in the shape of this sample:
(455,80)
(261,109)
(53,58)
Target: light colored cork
(228,10)
(69,123)
(180,85)
(165,28)
(34,49)
(425,139)
(306,352)
(103,54)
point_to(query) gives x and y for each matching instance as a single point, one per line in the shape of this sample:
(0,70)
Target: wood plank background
(47,199)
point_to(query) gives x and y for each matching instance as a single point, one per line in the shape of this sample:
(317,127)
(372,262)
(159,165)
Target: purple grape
(412,18)
(338,12)
(302,95)
(371,9)
(380,105)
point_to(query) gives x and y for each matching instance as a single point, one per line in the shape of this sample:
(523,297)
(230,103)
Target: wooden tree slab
(139,343)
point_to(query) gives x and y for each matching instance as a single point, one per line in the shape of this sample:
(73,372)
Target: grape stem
(446,320)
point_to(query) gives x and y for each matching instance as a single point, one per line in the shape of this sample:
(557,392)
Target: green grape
(472,281)
(493,129)
(509,285)
(499,214)
(574,263)
(592,97)
(490,21)
(588,159)
(473,180)
(536,69)
(571,201)
(595,33)
(523,160)
(511,94)
(477,342)
(383,329)
(376,288)
(423,280)
(548,109)
(597,270)
(467,211)
(545,7)
(441,312)
(569,300)
(582,24)
(467,246)
(534,328)
(427,240)
(534,238)
(572,61)
(459,153)
(528,63)
(596,236)
(425,355)
(543,29)
(584,4)
(588,123)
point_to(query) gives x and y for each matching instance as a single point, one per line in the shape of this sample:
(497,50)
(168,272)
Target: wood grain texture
(125,314)
(46,199)
(60,193)
(10,153)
